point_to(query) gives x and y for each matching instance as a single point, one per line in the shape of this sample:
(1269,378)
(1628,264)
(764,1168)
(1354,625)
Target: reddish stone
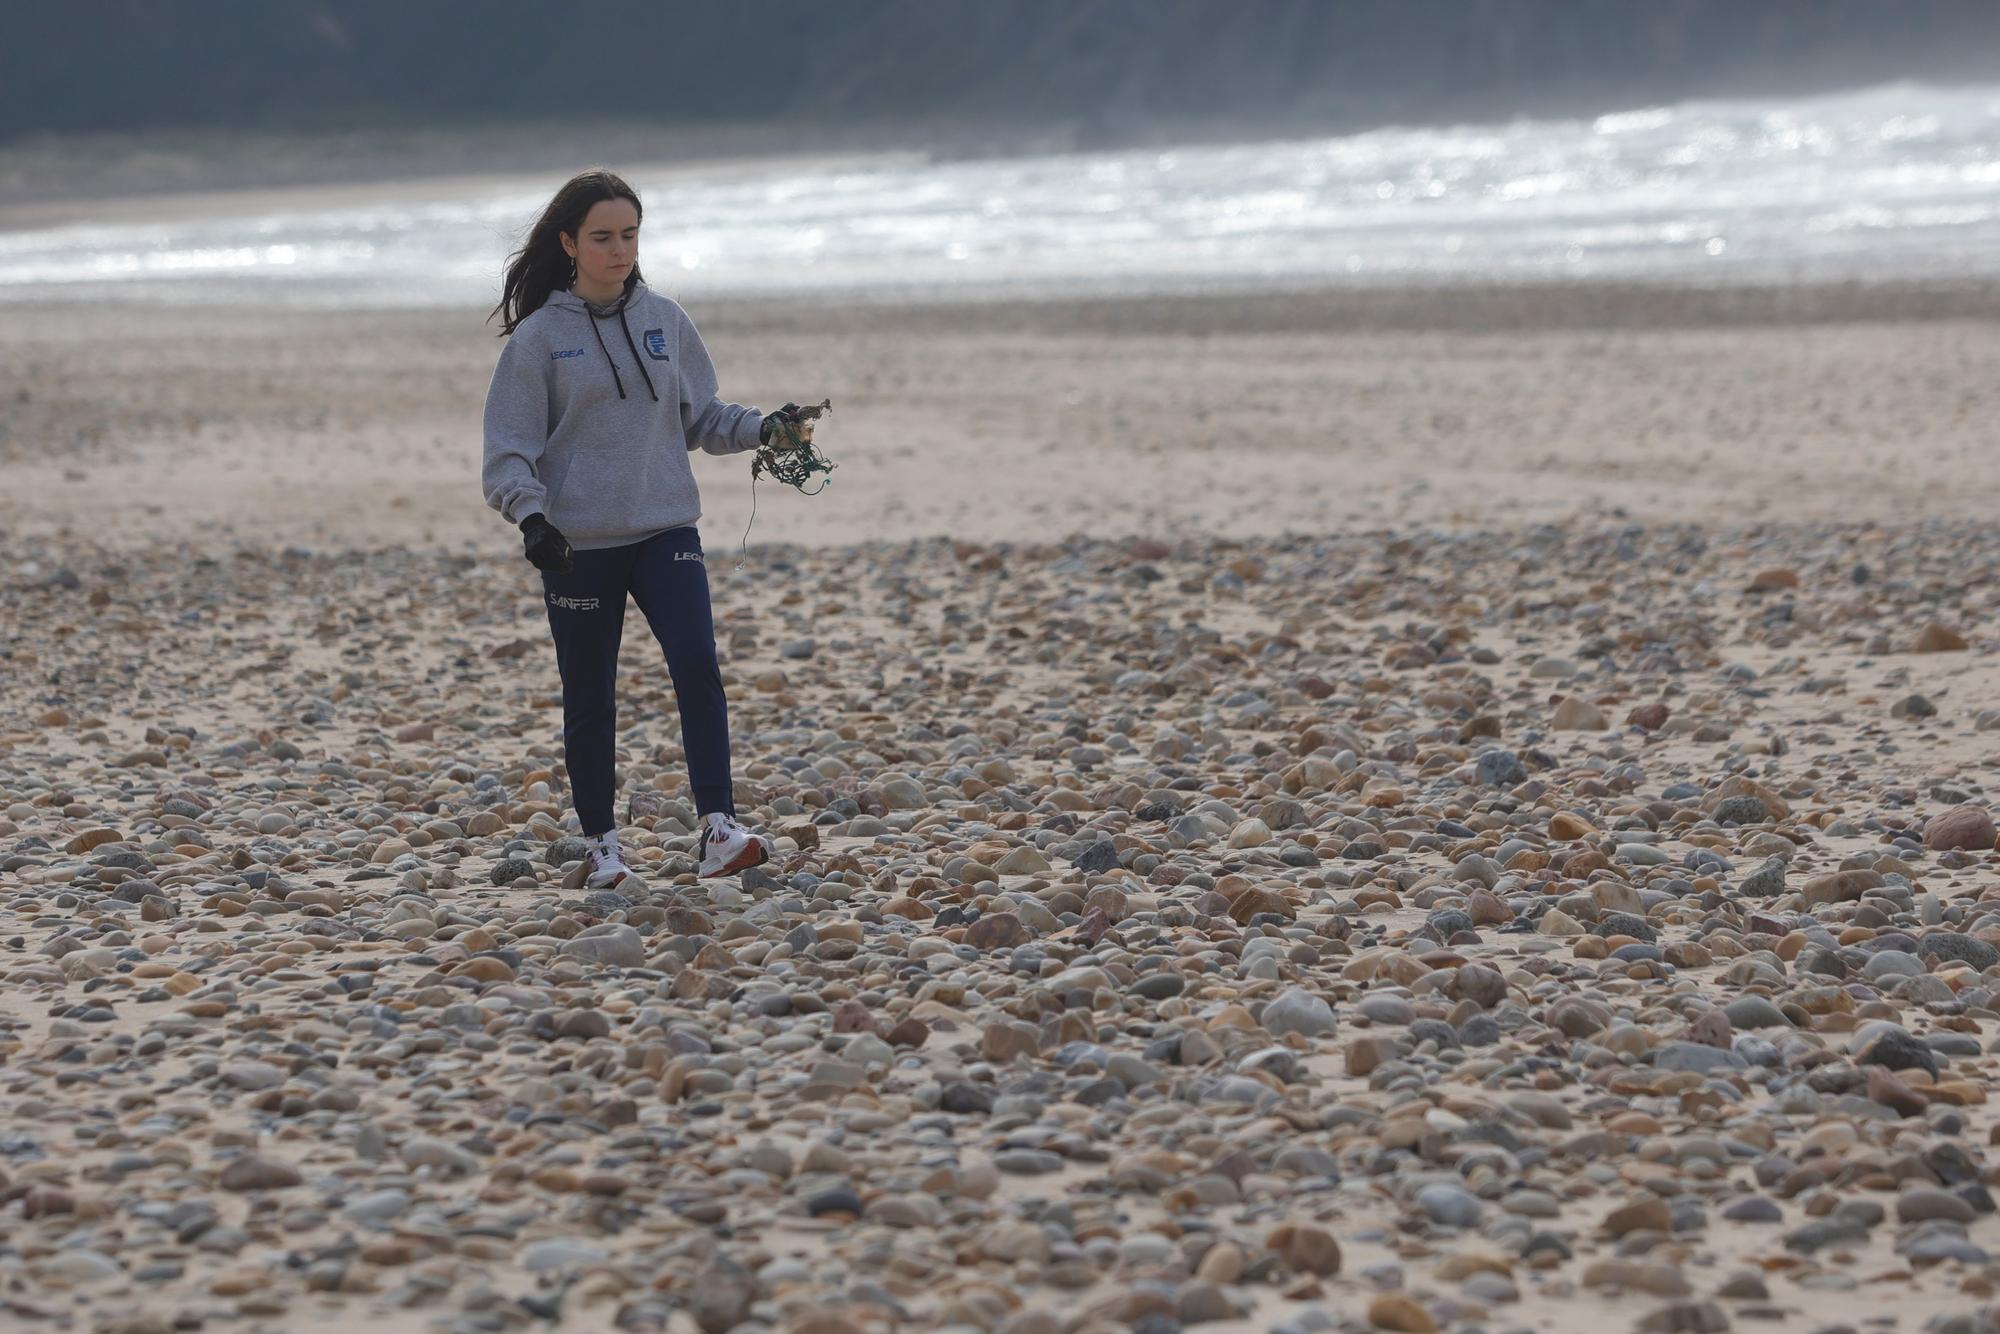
(1893,1093)
(851,1016)
(1247,903)
(1710,1029)
(996,931)
(911,1032)
(1651,717)
(1964,827)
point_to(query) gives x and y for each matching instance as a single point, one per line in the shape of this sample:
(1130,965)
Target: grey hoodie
(592,413)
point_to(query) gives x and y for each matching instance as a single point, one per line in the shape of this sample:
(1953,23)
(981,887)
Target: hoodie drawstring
(615,377)
(638,360)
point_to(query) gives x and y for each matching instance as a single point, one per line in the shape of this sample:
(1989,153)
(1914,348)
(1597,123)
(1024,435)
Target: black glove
(789,414)
(547,548)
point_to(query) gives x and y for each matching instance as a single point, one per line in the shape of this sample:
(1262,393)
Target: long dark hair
(541,265)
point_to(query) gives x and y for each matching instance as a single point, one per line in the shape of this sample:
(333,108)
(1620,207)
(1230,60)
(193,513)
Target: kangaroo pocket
(611,494)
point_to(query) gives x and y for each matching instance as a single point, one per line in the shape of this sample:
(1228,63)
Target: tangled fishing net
(790,457)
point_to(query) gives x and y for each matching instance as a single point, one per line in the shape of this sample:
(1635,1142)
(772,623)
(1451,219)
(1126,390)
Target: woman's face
(606,246)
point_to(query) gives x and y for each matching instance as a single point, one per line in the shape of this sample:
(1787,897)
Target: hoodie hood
(635,290)
(562,298)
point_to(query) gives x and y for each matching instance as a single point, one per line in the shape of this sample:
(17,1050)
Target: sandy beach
(1235,416)
(1449,809)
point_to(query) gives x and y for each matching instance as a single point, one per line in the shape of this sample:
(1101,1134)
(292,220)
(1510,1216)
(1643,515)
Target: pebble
(616,945)
(1394,1311)
(1298,1011)
(252,1173)
(1960,948)
(73,1268)
(1640,1215)
(378,1206)
(1923,1204)
(558,1253)
(1305,1249)
(1449,1205)
(1755,1012)
(1767,881)
(1967,827)
(1754,1209)
(424,1151)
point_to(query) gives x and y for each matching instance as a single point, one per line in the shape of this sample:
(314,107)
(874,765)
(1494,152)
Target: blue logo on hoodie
(656,344)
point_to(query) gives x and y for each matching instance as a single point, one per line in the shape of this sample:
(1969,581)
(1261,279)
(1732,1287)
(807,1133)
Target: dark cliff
(1106,69)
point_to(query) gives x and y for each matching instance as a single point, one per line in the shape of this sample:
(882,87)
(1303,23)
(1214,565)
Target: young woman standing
(587,443)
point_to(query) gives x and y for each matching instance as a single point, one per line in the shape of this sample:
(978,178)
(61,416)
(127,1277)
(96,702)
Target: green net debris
(791,457)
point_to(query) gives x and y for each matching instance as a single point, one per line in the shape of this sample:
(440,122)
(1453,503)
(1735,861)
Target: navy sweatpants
(666,577)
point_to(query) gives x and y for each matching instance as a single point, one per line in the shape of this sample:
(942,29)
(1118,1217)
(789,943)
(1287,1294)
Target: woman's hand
(789,438)
(547,548)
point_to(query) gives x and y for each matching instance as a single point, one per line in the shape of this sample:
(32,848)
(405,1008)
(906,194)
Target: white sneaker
(607,864)
(727,847)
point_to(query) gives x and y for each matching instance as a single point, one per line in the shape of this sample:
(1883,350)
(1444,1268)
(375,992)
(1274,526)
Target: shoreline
(103,165)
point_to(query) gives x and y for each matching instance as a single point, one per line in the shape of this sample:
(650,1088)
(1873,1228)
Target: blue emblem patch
(656,344)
